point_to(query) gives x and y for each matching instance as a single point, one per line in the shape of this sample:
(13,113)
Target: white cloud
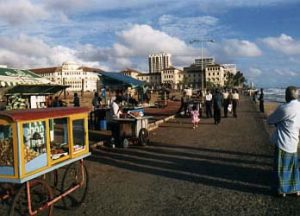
(28,52)
(143,39)
(254,72)
(284,43)
(189,27)
(21,11)
(135,44)
(240,48)
(286,73)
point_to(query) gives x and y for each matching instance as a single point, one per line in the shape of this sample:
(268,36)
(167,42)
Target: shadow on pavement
(217,170)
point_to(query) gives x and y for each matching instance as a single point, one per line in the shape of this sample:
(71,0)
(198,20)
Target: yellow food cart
(34,145)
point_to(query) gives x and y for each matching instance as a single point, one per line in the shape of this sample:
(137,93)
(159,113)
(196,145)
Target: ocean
(274,95)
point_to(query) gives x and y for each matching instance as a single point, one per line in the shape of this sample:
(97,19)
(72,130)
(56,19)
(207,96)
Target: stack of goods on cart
(57,150)
(17,102)
(6,152)
(57,153)
(6,146)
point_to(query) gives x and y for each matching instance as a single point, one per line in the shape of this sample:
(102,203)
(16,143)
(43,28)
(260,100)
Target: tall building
(204,61)
(158,62)
(78,77)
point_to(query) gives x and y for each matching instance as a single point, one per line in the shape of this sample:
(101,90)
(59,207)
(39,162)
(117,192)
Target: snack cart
(36,146)
(132,127)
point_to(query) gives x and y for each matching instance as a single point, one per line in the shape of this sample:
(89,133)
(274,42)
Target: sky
(262,37)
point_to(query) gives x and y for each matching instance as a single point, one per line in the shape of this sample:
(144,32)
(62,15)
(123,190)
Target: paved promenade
(212,170)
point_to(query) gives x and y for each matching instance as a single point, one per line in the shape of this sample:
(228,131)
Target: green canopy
(12,77)
(35,89)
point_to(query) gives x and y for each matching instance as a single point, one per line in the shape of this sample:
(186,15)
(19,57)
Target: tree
(235,80)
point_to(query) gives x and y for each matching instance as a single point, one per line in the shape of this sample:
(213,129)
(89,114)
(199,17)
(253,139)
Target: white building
(158,62)
(229,68)
(204,61)
(215,74)
(78,77)
(131,72)
(172,76)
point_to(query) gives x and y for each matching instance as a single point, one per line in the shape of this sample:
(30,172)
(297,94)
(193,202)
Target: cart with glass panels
(41,159)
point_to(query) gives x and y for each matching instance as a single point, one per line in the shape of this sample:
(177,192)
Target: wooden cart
(134,129)
(41,159)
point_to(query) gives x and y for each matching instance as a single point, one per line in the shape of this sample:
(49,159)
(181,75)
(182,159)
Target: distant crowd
(212,102)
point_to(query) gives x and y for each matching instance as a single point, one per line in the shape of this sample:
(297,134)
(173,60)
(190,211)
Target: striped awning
(12,77)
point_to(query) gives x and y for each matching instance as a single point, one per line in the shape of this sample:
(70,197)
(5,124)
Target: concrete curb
(155,125)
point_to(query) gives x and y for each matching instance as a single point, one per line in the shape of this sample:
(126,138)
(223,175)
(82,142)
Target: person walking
(96,101)
(184,104)
(76,100)
(195,116)
(208,104)
(226,102)
(235,102)
(286,119)
(261,101)
(217,105)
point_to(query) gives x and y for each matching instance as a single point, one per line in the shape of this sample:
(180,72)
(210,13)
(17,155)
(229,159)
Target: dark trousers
(261,106)
(217,115)
(234,106)
(226,103)
(208,105)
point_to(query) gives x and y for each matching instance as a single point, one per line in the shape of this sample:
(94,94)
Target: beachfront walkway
(212,170)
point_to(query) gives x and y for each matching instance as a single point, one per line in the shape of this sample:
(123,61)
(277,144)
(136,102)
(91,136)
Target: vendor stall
(114,82)
(22,89)
(36,142)
(132,129)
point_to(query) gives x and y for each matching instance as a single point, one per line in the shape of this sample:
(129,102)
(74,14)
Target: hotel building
(78,77)
(158,62)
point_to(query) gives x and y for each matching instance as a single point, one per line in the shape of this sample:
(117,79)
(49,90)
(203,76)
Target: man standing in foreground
(286,119)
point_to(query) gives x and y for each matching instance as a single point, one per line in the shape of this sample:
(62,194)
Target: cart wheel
(51,178)
(125,143)
(143,137)
(40,194)
(73,176)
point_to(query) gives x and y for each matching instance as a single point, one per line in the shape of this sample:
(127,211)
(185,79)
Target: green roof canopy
(35,89)
(12,77)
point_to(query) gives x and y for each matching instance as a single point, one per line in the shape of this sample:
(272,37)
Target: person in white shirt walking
(286,119)
(208,104)
(235,102)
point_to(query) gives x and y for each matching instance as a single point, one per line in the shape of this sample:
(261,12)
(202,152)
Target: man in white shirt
(286,119)
(208,104)
(235,102)
(115,108)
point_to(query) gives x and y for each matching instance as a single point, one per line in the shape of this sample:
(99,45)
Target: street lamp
(202,61)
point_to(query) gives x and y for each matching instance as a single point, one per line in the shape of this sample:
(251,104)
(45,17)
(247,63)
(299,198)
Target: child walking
(195,116)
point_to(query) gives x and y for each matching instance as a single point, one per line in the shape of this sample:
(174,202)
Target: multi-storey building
(229,68)
(78,77)
(131,72)
(215,74)
(158,62)
(204,61)
(193,76)
(173,77)
(153,79)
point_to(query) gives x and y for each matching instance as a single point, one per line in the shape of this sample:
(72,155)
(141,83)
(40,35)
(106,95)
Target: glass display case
(34,142)
(6,150)
(59,138)
(34,145)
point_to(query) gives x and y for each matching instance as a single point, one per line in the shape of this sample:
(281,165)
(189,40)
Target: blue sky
(262,37)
